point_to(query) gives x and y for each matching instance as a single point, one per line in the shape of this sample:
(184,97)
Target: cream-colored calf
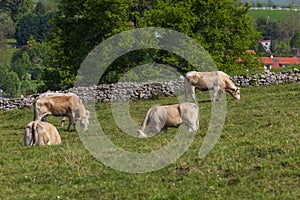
(41,133)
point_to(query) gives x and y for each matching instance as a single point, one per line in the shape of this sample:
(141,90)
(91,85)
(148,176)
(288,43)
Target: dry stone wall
(148,90)
(289,76)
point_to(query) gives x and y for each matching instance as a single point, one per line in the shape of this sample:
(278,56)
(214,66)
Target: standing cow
(219,82)
(63,118)
(160,118)
(41,133)
(67,105)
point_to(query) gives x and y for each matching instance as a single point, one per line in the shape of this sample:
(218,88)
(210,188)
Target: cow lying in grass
(41,133)
(62,105)
(161,118)
(219,82)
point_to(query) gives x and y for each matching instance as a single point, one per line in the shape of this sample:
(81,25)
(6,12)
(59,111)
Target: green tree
(220,27)
(33,25)
(9,82)
(12,85)
(16,8)
(6,25)
(20,64)
(283,49)
(259,4)
(40,54)
(295,42)
(31,59)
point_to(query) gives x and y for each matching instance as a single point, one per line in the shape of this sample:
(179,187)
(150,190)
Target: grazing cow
(41,133)
(219,82)
(62,105)
(63,118)
(160,118)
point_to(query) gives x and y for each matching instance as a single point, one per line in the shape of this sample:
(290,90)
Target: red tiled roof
(267,60)
(277,61)
(288,61)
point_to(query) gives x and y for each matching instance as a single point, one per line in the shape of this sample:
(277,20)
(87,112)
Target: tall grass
(256,157)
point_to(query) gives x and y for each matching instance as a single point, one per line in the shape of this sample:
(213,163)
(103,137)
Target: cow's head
(141,134)
(236,93)
(84,121)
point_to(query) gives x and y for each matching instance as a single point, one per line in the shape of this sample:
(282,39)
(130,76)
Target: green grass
(274,15)
(256,157)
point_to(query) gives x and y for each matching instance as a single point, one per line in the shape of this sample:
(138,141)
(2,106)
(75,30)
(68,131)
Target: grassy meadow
(275,15)
(256,157)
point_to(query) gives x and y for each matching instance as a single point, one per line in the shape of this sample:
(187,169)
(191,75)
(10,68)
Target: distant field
(256,157)
(276,15)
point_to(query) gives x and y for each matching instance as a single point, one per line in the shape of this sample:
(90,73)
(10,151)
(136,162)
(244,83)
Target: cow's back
(55,105)
(173,115)
(204,80)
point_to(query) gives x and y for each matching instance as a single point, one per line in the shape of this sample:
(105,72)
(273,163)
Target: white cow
(160,118)
(217,81)
(41,133)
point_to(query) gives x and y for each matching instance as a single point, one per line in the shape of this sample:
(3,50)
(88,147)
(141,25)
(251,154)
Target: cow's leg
(215,93)
(189,90)
(220,93)
(74,125)
(150,128)
(63,119)
(165,130)
(193,88)
(71,121)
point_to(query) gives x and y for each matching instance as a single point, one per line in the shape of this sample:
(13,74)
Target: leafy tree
(2,47)
(259,4)
(283,49)
(12,85)
(227,31)
(81,25)
(40,8)
(40,54)
(9,82)
(20,64)
(35,25)
(31,59)
(288,27)
(295,42)
(16,8)
(6,25)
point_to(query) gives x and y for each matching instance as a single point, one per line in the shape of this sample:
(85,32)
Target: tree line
(53,37)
